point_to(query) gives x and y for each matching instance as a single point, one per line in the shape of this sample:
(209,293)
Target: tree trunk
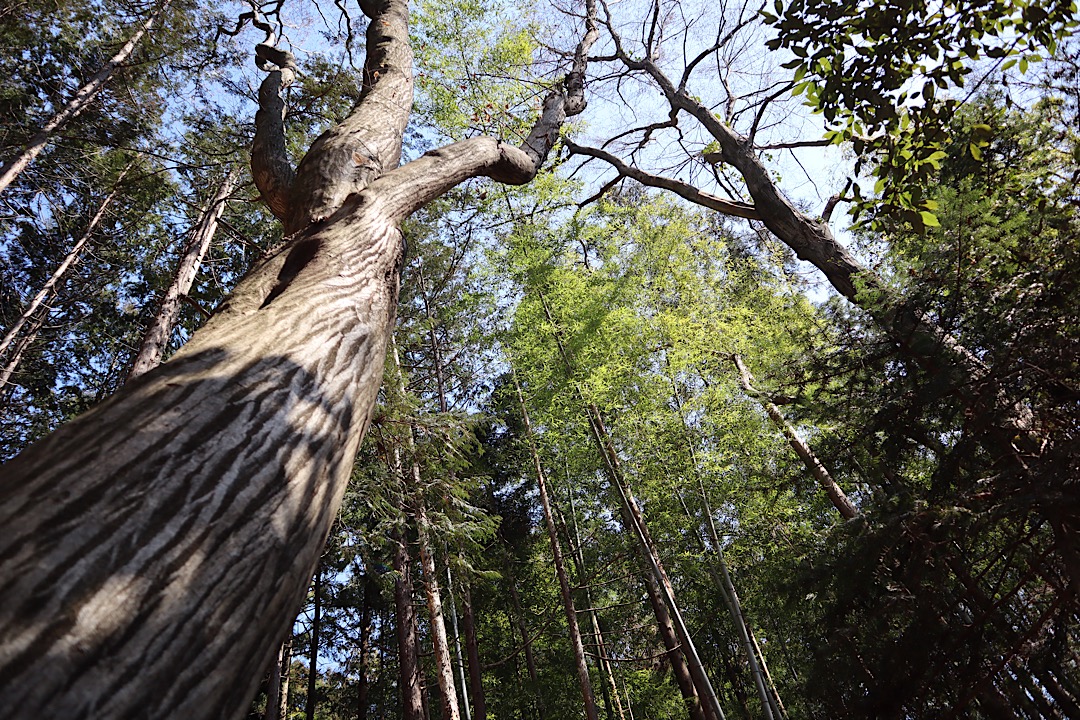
(313,648)
(155,547)
(364,668)
(457,641)
(286,676)
(273,688)
(836,496)
(772,707)
(560,569)
(444,669)
(82,99)
(50,286)
(156,337)
(639,531)
(19,351)
(670,638)
(476,681)
(429,575)
(412,701)
(611,689)
(526,641)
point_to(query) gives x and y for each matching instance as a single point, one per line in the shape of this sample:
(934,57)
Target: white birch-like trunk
(81,100)
(50,285)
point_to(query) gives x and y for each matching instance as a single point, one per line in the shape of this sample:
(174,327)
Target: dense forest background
(651,442)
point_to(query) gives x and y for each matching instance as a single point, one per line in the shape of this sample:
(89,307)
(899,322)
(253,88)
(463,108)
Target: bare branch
(684,190)
(826,214)
(599,194)
(764,105)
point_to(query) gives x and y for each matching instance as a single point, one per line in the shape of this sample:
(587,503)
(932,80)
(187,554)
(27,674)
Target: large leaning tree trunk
(157,547)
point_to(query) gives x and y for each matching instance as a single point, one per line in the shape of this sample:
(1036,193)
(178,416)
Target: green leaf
(929,219)
(975,151)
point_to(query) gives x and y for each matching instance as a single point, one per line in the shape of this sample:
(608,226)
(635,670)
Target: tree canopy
(518,359)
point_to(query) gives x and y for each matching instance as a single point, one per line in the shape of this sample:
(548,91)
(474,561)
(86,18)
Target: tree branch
(270,166)
(682,189)
(349,156)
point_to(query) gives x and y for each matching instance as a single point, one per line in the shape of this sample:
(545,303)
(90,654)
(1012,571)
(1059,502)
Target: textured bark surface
(143,539)
(155,548)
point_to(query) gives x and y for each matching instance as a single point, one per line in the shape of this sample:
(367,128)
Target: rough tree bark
(156,337)
(155,548)
(560,567)
(79,102)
